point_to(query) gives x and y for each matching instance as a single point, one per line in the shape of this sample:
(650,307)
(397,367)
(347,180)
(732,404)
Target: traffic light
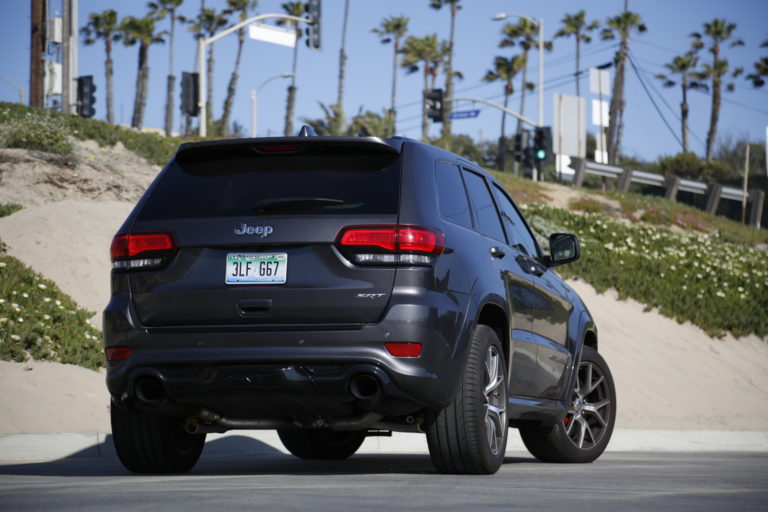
(542,144)
(435,105)
(313,31)
(85,96)
(190,93)
(521,143)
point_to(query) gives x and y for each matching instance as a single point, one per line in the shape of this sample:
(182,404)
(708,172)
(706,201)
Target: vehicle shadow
(235,455)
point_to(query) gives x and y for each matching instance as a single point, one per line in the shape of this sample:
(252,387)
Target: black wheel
(470,435)
(585,430)
(321,444)
(153,444)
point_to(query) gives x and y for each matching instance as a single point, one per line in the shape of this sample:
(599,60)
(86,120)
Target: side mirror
(563,248)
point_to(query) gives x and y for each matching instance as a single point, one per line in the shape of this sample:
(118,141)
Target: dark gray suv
(333,288)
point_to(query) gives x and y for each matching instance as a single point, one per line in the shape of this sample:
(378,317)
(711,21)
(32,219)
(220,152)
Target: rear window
(315,181)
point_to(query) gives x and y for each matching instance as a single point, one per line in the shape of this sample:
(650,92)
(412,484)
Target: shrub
(40,131)
(586,204)
(38,321)
(7,209)
(717,285)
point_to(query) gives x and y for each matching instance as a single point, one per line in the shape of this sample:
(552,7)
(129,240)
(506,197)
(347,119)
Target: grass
(38,321)
(7,209)
(523,191)
(45,130)
(718,285)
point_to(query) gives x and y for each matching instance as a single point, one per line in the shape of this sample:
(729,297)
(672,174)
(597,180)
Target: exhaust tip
(149,390)
(365,387)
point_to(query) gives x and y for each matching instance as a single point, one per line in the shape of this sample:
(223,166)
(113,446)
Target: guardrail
(672,185)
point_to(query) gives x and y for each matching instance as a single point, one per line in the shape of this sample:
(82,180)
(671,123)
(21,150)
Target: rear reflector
(117,353)
(404,349)
(390,244)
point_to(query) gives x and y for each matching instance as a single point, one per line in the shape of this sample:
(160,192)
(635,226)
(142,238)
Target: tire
(153,444)
(321,444)
(584,432)
(469,436)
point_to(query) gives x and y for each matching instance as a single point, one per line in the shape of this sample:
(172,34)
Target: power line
(645,88)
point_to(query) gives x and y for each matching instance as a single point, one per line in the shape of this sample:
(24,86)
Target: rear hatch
(254,224)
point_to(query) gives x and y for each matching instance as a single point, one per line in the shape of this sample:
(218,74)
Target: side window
(486,216)
(451,196)
(519,236)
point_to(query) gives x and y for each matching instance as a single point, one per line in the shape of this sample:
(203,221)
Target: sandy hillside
(668,375)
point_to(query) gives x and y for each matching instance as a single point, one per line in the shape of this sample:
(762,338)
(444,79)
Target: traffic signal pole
(201,63)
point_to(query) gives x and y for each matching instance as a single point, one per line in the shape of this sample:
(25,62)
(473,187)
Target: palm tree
(448,108)
(343,62)
(622,26)
(206,25)
(393,29)
(718,31)
(294,9)
(504,70)
(427,52)
(243,8)
(526,35)
(685,67)
(576,25)
(104,26)
(140,30)
(160,10)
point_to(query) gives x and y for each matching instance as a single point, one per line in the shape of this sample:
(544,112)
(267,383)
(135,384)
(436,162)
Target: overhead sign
(464,114)
(271,34)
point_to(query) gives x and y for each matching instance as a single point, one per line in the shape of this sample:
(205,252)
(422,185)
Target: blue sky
(368,77)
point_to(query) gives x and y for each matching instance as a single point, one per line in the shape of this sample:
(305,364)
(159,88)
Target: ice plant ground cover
(717,285)
(40,322)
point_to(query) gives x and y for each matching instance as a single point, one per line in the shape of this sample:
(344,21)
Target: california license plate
(256,268)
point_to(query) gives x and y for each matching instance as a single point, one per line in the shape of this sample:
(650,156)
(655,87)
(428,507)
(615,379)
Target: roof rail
(307,131)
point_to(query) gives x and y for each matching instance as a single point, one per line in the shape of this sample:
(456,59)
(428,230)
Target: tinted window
(517,232)
(316,183)
(486,218)
(451,196)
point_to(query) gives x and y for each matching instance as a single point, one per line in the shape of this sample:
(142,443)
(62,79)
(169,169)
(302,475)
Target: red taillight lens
(277,148)
(404,349)
(117,353)
(388,244)
(128,246)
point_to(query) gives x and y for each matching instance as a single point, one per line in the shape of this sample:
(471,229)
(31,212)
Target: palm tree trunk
(448,105)
(170,81)
(342,58)
(617,95)
(392,112)
(424,118)
(110,88)
(288,131)
(232,86)
(142,78)
(714,116)
(684,115)
(522,91)
(578,65)
(209,97)
(502,156)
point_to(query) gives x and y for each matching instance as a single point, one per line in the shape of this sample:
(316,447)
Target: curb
(39,447)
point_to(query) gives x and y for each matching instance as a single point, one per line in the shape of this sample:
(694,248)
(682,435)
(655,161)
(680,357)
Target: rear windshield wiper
(295,203)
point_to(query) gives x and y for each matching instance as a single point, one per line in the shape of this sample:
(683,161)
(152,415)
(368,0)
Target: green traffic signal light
(541,154)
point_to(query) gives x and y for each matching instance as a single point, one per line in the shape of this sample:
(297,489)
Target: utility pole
(69,56)
(36,54)
(744,191)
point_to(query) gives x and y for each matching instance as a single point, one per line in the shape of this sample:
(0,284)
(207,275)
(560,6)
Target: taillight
(117,353)
(141,250)
(390,244)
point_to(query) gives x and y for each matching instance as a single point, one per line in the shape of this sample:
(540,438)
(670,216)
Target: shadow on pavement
(234,455)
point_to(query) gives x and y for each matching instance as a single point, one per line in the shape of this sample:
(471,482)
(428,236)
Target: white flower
(46,299)
(25,295)
(15,337)
(42,286)
(2,264)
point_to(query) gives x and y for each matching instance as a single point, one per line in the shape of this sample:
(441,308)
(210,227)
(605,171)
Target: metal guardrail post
(757,198)
(625,180)
(714,190)
(579,165)
(671,186)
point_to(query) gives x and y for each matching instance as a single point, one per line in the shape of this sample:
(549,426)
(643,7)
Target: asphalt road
(261,478)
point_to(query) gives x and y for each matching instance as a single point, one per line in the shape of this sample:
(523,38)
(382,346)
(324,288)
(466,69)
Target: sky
(744,113)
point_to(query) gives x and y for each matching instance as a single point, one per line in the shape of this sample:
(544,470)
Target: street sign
(464,114)
(569,126)
(272,34)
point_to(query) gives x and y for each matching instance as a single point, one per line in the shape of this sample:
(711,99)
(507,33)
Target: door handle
(497,253)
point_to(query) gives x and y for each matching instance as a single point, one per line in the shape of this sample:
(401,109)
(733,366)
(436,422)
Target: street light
(540,24)
(254,99)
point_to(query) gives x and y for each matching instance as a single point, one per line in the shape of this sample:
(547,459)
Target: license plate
(256,268)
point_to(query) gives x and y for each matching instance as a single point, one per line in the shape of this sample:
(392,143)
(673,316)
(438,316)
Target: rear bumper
(289,373)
